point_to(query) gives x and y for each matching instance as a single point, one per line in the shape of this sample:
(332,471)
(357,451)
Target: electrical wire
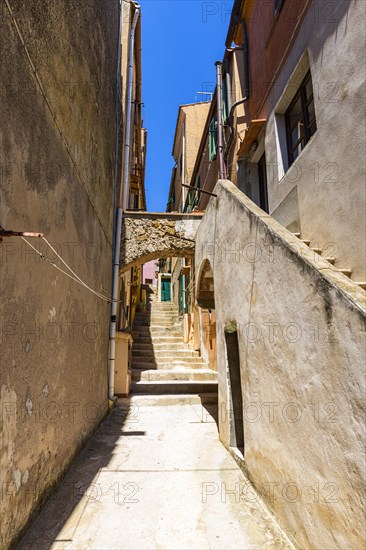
(74,276)
(69,268)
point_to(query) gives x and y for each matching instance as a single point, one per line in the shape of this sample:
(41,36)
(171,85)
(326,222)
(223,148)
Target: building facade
(283,146)
(63,104)
(132,186)
(190,124)
(280,260)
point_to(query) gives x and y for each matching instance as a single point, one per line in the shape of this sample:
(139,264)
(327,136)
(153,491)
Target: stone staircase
(332,260)
(162,364)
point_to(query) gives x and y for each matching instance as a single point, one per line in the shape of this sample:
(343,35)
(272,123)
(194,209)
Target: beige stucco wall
(329,175)
(301,331)
(190,124)
(195,118)
(57,179)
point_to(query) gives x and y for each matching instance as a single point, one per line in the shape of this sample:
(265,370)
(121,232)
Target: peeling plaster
(52,314)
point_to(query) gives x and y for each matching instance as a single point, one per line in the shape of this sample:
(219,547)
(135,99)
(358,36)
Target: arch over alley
(152,235)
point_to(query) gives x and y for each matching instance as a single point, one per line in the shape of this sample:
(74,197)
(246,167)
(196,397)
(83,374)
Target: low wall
(301,336)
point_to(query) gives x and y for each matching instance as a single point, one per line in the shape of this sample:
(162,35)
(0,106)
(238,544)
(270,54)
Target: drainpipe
(123,201)
(182,208)
(247,91)
(129,112)
(184,290)
(228,83)
(220,119)
(183,163)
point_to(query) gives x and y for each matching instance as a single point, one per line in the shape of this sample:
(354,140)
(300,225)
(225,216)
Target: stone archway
(205,299)
(205,287)
(151,235)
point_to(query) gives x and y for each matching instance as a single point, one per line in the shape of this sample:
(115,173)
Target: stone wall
(57,137)
(301,335)
(149,236)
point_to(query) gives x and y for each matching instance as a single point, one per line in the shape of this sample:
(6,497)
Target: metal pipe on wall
(228,83)
(220,120)
(247,89)
(122,204)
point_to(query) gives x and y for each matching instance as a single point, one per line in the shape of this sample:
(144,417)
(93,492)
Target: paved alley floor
(156,477)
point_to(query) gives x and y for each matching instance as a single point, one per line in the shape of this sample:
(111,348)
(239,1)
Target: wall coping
(348,288)
(130,214)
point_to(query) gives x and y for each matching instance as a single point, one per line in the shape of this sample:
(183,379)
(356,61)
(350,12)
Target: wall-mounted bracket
(5,233)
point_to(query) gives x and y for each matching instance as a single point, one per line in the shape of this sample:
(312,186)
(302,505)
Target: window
(300,119)
(278,6)
(212,139)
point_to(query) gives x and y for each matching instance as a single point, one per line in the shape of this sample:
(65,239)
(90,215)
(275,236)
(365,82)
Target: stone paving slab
(155,477)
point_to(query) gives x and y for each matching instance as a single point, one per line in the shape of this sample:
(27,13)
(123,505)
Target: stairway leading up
(162,364)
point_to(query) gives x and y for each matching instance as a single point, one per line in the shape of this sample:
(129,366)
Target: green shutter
(196,193)
(212,139)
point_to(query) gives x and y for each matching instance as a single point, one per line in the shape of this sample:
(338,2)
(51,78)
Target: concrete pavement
(155,476)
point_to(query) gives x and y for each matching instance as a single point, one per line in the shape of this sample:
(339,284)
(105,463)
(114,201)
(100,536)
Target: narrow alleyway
(155,476)
(161,362)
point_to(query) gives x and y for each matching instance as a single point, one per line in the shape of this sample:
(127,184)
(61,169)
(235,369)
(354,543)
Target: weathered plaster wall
(301,332)
(177,264)
(57,139)
(329,173)
(195,118)
(150,236)
(149,272)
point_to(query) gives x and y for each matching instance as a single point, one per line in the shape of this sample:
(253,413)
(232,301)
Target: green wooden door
(165,290)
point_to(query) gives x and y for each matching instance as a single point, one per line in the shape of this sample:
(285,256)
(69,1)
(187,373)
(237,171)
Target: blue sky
(181,40)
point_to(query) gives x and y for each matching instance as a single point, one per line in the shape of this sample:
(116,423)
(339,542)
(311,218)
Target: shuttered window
(212,139)
(300,119)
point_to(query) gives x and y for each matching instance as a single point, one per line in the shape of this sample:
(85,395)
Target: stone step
(362,285)
(316,250)
(143,364)
(166,362)
(162,311)
(174,374)
(164,353)
(176,387)
(167,400)
(153,327)
(153,336)
(160,331)
(330,259)
(346,271)
(166,340)
(158,346)
(159,306)
(160,323)
(155,311)
(157,314)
